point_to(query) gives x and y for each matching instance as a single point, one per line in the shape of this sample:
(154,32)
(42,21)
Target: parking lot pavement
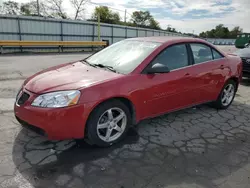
(19,67)
(197,147)
(227,49)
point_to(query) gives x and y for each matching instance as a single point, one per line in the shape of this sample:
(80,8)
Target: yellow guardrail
(60,44)
(51,43)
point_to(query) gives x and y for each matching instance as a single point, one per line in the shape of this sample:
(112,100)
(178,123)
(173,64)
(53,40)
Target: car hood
(243,52)
(67,77)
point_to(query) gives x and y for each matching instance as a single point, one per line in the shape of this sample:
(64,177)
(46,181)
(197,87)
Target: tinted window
(173,57)
(201,52)
(217,55)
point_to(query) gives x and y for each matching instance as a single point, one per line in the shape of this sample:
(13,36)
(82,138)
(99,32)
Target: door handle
(187,74)
(222,67)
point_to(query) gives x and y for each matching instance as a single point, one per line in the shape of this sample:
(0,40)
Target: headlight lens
(19,92)
(57,99)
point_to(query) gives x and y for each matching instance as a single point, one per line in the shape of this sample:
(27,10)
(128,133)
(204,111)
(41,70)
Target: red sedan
(100,97)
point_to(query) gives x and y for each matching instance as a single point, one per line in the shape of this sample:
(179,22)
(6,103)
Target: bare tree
(10,7)
(55,8)
(79,7)
(30,9)
(1,9)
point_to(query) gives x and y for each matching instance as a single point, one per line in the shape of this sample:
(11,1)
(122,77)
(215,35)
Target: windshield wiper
(99,65)
(87,63)
(105,66)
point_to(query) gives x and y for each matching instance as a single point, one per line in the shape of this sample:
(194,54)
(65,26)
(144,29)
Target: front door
(167,92)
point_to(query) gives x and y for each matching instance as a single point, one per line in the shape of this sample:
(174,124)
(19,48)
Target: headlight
(20,89)
(57,99)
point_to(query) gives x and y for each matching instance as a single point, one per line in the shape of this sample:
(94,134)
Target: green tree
(153,24)
(235,31)
(171,29)
(221,31)
(141,18)
(203,35)
(131,24)
(106,15)
(30,9)
(211,34)
(10,7)
(144,19)
(27,9)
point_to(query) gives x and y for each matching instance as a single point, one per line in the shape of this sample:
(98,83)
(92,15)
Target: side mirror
(158,68)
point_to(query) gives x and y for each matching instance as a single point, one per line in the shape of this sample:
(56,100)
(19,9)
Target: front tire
(226,96)
(108,123)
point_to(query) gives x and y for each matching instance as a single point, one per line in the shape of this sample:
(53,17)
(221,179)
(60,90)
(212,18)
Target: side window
(173,57)
(216,54)
(201,52)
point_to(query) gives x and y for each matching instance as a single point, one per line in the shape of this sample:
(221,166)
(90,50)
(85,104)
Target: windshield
(124,56)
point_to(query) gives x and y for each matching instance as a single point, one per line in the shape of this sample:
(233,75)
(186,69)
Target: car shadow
(197,147)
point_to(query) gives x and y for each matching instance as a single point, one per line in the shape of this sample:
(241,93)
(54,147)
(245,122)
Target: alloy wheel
(227,95)
(111,124)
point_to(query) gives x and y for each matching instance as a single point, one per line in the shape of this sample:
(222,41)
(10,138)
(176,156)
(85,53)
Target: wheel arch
(236,80)
(124,100)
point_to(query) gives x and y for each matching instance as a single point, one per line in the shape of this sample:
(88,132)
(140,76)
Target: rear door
(210,72)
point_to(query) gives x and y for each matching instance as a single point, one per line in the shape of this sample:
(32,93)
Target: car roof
(165,39)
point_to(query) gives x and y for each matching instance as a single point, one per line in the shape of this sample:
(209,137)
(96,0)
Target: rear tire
(108,123)
(226,96)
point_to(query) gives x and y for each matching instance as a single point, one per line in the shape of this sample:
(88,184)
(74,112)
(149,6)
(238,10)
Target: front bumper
(55,123)
(246,67)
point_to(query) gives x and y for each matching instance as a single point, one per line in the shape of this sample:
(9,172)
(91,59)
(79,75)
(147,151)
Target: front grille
(31,127)
(24,97)
(246,64)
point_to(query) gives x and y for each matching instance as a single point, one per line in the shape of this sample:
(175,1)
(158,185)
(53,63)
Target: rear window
(201,52)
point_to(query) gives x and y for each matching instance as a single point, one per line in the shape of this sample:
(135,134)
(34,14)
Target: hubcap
(227,95)
(111,124)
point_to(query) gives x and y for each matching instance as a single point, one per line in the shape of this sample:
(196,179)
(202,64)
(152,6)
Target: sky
(184,15)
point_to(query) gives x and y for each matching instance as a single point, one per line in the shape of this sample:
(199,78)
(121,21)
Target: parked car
(245,56)
(100,97)
(242,40)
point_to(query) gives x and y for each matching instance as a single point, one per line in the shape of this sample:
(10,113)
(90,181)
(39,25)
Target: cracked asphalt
(194,148)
